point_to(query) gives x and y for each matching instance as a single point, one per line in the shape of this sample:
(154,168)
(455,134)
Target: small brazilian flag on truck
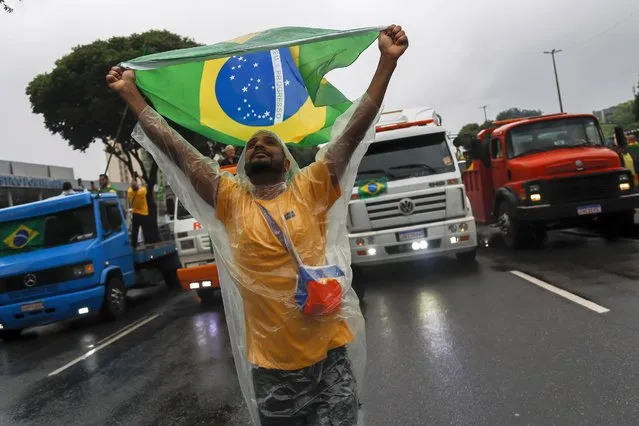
(372,188)
(20,236)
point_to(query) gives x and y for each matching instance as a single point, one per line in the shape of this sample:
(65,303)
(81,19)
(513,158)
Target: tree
(635,105)
(473,128)
(6,7)
(77,104)
(517,113)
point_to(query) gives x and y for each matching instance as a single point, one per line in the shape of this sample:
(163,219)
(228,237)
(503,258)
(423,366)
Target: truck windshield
(553,134)
(404,158)
(52,230)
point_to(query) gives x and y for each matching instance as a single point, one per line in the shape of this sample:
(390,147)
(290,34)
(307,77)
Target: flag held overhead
(270,80)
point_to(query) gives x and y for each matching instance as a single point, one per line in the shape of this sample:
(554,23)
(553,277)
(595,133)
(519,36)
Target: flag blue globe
(260,89)
(20,238)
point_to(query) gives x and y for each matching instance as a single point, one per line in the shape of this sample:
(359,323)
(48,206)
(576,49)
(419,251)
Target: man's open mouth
(260,154)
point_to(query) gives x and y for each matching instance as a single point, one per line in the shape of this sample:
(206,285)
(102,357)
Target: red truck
(533,174)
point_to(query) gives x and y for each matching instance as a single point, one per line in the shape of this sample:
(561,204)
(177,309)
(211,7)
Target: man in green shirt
(105,186)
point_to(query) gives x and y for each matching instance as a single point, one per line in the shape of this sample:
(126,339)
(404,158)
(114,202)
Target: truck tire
(358,282)
(467,257)
(210,296)
(114,304)
(8,335)
(511,230)
(169,269)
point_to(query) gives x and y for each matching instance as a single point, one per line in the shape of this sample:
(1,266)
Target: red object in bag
(323,297)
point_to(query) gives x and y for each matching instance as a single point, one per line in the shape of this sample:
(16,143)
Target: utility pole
(554,65)
(485,115)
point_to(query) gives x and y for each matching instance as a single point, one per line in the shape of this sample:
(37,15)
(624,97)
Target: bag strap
(277,231)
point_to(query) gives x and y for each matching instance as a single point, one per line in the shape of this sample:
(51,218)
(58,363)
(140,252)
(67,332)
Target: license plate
(411,235)
(592,209)
(30,307)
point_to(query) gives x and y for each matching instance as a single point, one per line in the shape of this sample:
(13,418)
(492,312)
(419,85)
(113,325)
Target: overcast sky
(463,53)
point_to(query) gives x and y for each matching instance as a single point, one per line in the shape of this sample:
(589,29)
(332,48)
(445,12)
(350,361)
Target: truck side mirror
(463,141)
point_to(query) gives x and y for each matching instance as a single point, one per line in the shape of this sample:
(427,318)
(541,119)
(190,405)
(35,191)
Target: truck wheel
(612,227)
(510,228)
(169,272)
(114,304)
(467,256)
(210,296)
(8,335)
(358,282)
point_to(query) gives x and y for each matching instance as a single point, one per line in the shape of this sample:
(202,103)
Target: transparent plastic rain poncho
(258,278)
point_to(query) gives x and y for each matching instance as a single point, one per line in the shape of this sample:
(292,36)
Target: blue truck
(71,256)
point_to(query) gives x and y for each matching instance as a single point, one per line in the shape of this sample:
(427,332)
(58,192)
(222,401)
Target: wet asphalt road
(446,345)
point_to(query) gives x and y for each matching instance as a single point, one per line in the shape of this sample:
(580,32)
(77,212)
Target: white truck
(409,201)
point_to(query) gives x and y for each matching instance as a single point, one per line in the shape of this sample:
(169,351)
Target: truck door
(115,239)
(498,163)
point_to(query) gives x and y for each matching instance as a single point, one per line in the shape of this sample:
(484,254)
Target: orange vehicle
(203,278)
(529,175)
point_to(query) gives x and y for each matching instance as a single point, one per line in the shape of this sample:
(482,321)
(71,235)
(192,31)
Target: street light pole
(554,65)
(484,108)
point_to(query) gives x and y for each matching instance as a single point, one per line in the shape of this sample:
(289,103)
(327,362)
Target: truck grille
(43,278)
(581,188)
(426,208)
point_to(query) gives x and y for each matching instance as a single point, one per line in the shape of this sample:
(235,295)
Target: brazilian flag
(271,80)
(21,236)
(372,188)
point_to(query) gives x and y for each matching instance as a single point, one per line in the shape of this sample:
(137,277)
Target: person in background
(632,140)
(628,160)
(105,185)
(67,189)
(230,157)
(136,195)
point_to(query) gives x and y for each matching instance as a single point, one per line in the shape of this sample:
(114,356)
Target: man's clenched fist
(121,81)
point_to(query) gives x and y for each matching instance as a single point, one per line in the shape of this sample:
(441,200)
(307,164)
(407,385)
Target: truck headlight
(624,182)
(82,270)
(536,197)
(463,227)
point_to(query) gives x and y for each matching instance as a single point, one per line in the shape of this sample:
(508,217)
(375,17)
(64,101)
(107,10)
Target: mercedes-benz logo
(579,164)
(30,280)
(406,206)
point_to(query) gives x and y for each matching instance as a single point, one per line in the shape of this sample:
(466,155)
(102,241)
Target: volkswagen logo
(30,280)
(579,164)
(406,206)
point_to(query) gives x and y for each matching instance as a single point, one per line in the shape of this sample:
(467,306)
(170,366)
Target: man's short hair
(103,175)
(66,186)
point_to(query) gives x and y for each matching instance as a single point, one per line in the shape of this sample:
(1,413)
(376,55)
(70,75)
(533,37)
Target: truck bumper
(56,308)
(550,212)
(383,247)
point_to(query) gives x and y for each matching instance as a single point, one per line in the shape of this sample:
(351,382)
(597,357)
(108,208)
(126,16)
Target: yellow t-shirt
(279,335)
(137,201)
(629,163)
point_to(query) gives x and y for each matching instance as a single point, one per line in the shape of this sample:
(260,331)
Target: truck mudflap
(199,277)
(547,212)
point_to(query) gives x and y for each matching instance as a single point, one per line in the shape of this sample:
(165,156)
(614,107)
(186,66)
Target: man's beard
(264,167)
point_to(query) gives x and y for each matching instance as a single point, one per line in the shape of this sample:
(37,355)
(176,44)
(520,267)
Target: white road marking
(563,293)
(115,337)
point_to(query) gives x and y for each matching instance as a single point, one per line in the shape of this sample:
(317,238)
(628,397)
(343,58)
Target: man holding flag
(270,225)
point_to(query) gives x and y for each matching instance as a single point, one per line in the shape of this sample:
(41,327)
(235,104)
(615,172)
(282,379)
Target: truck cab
(549,172)
(70,256)
(409,201)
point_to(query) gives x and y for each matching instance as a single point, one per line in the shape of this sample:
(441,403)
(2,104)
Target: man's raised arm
(392,44)
(203,177)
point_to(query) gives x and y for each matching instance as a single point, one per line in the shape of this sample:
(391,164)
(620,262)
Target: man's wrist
(387,63)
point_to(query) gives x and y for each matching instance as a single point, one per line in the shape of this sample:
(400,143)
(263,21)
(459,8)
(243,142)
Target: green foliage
(635,107)
(622,115)
(470,129)
(473,128)
(76,102)
(517,113)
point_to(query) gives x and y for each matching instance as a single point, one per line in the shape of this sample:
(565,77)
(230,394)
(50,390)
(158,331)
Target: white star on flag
(286,82)
(244,89)
(232,77)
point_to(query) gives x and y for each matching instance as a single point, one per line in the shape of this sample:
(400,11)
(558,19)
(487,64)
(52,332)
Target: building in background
(117,170)
(22,183)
